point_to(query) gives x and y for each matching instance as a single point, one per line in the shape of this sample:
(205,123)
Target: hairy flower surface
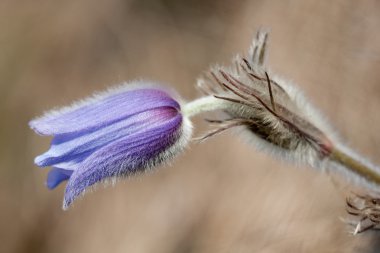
(116,133)
(366,209)
(133,128)
(277,118)
(273,112)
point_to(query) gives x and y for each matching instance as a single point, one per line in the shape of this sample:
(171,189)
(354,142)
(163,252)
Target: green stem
(355,166)
(204,104)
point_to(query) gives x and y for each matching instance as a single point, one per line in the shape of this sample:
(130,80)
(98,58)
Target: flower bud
(274,115)
(117,133)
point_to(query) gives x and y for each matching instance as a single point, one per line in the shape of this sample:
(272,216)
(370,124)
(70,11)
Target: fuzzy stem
(204,104)
(355,166)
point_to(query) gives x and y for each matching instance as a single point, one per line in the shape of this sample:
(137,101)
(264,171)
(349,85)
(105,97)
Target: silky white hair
(274,115)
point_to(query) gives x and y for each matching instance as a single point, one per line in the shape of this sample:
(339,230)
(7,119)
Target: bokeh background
(221,195)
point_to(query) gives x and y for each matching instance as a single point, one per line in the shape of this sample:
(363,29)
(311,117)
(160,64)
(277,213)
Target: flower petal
(79,147)
(101,111)
(116,133)
(126,156)
(56,176)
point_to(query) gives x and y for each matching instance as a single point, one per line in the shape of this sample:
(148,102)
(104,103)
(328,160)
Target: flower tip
(40,127)
(34,126)
(50,186)
(57,176)
(38,161)
(65,205)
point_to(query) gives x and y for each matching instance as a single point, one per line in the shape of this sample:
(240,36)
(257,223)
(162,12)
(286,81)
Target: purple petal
(100,112)
(56,176)
(114,134)
(79,147)
(127,155)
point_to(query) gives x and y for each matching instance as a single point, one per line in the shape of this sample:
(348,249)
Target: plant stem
(204,104)
(355,166)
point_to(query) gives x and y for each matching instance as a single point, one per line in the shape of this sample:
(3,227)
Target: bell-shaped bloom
(113,134)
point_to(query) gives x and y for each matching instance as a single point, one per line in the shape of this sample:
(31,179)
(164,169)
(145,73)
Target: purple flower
(113,134)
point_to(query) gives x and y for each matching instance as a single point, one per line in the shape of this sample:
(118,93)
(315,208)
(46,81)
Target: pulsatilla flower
(114,134)
(134,128)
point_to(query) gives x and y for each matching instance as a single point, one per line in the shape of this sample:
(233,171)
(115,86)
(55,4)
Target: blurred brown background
(221,195)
